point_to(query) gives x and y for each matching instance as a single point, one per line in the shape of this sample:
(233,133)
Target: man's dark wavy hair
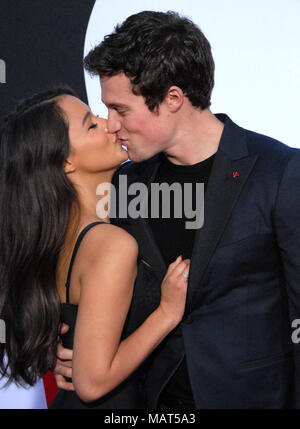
(156,50)
(36,199)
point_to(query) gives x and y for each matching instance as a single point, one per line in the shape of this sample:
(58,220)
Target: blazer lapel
(148,248)
(230,172)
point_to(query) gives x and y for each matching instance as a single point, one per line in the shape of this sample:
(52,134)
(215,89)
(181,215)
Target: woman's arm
(108,271)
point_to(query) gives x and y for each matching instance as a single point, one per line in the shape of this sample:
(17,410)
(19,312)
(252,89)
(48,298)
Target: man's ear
(69,167)
(174,98)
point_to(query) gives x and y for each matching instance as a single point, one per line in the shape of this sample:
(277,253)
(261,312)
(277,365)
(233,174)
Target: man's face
(143,132)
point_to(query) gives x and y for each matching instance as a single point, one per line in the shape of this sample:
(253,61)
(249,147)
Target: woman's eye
(93,126)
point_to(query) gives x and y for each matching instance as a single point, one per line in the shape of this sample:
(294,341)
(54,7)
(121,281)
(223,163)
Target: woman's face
(93,149)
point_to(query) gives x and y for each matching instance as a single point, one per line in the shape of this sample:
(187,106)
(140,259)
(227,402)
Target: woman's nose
(104,124)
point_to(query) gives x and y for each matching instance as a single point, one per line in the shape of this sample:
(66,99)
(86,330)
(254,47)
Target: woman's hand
(174,289)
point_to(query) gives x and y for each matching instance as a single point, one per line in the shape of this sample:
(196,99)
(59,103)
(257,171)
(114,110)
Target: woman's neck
(93,195)
(81,215)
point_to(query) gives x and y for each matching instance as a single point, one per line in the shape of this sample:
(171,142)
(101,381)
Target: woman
(54,153)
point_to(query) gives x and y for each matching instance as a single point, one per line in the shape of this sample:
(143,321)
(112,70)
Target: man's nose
(113,123)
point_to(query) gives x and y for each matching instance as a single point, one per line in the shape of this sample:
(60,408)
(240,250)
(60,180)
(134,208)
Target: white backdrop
(14,397)
(256,48)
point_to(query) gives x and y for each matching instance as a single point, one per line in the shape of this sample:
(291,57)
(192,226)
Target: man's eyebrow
(88,113)
(112,105)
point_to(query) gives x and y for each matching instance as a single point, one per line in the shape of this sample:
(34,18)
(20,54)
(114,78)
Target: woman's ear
(69,167)
(174,98)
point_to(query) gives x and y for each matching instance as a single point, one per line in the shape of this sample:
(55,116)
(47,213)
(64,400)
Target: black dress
(126,395)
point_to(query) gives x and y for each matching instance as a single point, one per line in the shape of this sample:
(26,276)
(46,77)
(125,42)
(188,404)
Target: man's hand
(63,367)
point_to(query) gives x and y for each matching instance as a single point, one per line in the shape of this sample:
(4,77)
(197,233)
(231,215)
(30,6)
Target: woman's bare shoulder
(106,238)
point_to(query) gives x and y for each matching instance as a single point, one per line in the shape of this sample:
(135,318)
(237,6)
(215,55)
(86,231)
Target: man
(233,348)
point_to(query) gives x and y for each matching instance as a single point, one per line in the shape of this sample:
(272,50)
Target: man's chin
(133,156)
(138,157)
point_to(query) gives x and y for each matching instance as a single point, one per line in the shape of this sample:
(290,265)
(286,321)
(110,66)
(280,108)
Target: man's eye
(93,126)
(120,112)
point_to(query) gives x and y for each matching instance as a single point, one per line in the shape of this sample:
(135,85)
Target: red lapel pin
(235,174)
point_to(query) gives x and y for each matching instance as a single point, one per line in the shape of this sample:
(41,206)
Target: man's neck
(197,138)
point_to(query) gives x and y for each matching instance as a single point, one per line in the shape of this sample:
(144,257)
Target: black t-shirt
(174,239)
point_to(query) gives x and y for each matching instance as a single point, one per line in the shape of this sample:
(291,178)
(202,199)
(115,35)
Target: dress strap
(77,244)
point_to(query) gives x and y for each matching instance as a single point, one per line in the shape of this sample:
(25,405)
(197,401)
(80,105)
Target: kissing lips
(122,142)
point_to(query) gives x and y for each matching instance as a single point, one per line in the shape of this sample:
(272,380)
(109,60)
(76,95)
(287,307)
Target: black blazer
(244,283)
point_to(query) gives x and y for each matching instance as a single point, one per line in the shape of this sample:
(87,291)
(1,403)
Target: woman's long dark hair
(36,200)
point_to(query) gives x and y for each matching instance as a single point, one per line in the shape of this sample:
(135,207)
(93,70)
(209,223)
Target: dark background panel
(42,43)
